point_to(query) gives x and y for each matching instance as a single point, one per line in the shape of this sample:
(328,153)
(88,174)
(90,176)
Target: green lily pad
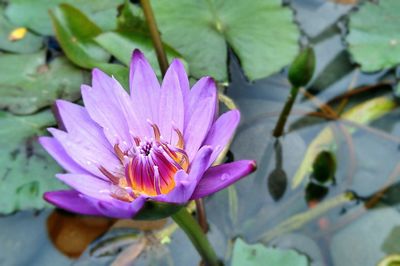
(29,84)
(26,171)
(34,14)
(75,33)
(29,44)
(261,33)
(374,38)
(131,19)
(121,46)
(254,255)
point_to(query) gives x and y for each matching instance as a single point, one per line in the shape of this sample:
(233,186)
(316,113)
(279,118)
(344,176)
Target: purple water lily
(156,144)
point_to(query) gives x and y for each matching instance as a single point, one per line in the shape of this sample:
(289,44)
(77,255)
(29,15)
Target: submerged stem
(278,131)
(192,229)
(155,35)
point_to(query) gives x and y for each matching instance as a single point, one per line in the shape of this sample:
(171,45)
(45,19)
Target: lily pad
(75,33)
(29,84)
(252,255)
(374,39)
(26,169)
(34,14)
(261,33)
(78,44)
(121,46)
(28,44)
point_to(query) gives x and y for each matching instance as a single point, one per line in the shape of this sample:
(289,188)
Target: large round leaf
(34,14)
(26,171)
(28,44)
(75,32)
(28,83)
(374,38)
(260,32)
(121,46)
(254,255)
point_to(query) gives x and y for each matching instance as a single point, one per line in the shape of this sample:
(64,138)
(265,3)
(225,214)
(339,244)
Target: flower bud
(302,68)
(324,167)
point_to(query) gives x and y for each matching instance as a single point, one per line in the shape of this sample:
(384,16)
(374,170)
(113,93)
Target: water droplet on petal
(224,177)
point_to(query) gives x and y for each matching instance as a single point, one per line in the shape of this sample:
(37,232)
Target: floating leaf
(121,46)
(260,32)
(26,171)
(75,32)
(28,44)
(131,19)
(374,39)
(254,255)
(28,83)
(34,14)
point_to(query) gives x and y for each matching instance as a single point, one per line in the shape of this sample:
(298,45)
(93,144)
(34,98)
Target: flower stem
(155,35)
(192,229)
(278,131)
(201,215)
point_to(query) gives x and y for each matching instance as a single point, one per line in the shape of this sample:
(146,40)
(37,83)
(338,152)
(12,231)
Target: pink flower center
(148,168)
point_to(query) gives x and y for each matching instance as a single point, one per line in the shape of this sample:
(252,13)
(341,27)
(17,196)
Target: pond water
(353,219)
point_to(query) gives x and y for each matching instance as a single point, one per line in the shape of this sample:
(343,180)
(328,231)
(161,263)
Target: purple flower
(156,144)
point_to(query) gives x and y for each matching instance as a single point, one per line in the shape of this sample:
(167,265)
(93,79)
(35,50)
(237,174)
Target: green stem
(155,35)
(278,131)
(192,229)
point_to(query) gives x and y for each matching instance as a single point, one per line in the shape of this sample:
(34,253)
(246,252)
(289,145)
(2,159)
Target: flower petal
(121,210)
(171,104)
(183,78)
(198,126)
(111,107)
(72,201)
(219,177)
(205,88)
(87,185)
(221,132)
(144,87)
(186,183)
(90,155)
(56,151)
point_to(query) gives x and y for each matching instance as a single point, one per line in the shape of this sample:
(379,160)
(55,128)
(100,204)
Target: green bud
(157,210)
(315,192)
(324,167)
(302,68)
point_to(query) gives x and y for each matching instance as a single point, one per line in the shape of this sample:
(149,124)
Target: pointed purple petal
(111,107)
(186,183)
(87,185)
(72,201)
(221,132)
(90,155)
(183,78)
(171,104)
(219,177)
(56,151)
(205,88)
(198,127)
(120,209)
(145,88)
